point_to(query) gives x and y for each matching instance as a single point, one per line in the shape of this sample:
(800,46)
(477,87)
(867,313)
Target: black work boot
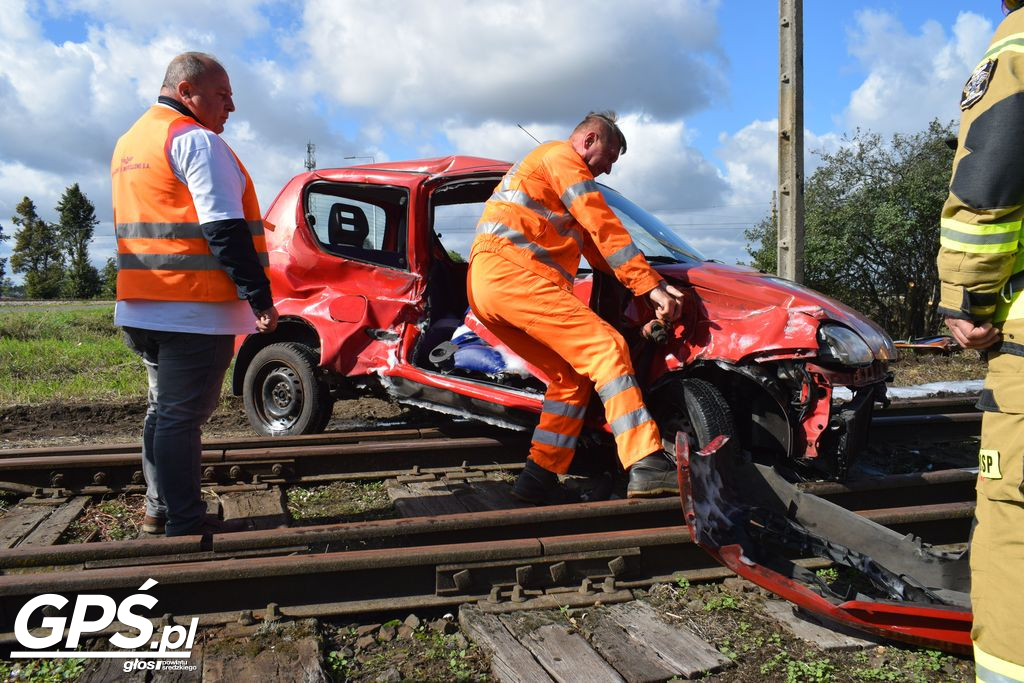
(537,486)
(653,476)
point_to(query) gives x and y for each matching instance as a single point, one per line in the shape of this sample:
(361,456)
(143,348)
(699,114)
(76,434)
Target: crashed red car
(370,299)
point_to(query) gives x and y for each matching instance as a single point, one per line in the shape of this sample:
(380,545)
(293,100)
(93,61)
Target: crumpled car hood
(752,312)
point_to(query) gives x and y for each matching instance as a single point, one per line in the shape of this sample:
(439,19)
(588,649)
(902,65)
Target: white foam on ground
(932,389)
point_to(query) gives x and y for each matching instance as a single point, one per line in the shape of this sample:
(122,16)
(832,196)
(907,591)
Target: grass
(68,356)
(48,355)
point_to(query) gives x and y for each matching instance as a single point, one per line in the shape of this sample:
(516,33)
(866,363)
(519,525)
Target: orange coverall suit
(544,214)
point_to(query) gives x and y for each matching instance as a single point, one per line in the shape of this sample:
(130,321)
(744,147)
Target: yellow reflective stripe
(978,248)
(1012,227)
(979,238)
(991,669)
(1013,42)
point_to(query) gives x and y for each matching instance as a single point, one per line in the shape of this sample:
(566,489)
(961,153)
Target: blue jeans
(185,375)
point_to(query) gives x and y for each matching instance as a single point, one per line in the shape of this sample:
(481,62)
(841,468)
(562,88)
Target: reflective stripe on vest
(172,230)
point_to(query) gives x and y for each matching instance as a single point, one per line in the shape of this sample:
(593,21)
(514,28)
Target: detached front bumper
(756,524)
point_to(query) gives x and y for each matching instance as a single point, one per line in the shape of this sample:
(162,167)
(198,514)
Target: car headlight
(843,345)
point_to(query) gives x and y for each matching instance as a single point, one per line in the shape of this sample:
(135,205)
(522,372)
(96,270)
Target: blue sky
(694,82)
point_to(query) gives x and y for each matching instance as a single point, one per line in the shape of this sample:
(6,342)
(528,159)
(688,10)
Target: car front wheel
(695,407)
(283,394)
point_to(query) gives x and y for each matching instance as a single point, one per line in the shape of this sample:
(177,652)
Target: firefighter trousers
(997,544)
(577,350)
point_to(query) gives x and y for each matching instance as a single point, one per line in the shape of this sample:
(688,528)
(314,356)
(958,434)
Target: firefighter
(981,269)
(544,214)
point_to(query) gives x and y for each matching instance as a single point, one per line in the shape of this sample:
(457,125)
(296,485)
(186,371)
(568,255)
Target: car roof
(437,166)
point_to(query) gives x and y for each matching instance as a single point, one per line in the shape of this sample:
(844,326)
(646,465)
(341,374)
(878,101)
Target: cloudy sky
(694,82)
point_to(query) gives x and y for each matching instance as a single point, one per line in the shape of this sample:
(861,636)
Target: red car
(371,297)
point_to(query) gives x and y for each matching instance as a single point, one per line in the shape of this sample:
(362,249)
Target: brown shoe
(153,525)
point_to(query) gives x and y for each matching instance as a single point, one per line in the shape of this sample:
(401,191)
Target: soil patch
(53,424)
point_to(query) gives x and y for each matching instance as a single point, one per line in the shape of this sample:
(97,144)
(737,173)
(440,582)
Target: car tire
(282,392)
(696,407)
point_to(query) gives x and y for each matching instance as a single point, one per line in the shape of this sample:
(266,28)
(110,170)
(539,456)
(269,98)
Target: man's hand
(971,336)
(668,302)
(266,321)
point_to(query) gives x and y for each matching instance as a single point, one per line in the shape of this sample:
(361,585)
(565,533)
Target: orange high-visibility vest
(161,252)
(539,213)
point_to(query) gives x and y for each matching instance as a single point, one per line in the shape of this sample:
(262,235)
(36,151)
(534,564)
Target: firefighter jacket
(547,211)
(981,253)
(162,252)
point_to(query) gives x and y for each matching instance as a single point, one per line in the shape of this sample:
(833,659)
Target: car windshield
(656,240)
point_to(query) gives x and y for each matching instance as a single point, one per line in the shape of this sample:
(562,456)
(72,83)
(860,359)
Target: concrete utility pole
(791,140)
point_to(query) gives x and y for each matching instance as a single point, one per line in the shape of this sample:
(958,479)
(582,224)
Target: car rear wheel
(282,392)
(695,407)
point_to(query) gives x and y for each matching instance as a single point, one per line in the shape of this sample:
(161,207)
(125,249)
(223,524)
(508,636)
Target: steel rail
(107,468)
(365,455)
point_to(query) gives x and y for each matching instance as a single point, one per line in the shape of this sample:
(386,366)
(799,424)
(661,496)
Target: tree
(872,227)
(75,230)
(36,253)
(108,279)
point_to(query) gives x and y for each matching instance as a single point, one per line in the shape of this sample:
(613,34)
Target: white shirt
(202,160)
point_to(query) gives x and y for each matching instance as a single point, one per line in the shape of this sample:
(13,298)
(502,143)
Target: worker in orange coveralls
(545,213)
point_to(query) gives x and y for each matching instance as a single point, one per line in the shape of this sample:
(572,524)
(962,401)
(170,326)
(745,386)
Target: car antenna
(528,133)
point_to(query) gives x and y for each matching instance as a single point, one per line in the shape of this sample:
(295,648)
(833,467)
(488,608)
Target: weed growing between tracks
(731,616)
(403,650)
(339,502)
(113,518)
(42,670)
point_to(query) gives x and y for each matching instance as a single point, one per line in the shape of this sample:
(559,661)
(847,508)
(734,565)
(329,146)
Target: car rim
(281,397)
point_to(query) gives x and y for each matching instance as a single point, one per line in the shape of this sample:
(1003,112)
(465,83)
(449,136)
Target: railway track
(96,469)
(504,559)
(584,553)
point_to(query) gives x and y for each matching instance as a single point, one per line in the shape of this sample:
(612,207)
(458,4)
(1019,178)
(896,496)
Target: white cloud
(912,78)
(527,60)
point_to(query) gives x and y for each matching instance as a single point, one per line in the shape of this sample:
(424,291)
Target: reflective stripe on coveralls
(989,669)
(162,252)
(574,348)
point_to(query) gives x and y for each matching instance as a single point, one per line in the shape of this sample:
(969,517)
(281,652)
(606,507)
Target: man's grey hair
(606,120)
(189,67)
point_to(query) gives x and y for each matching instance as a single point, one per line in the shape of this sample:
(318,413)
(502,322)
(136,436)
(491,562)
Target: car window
(359,222)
